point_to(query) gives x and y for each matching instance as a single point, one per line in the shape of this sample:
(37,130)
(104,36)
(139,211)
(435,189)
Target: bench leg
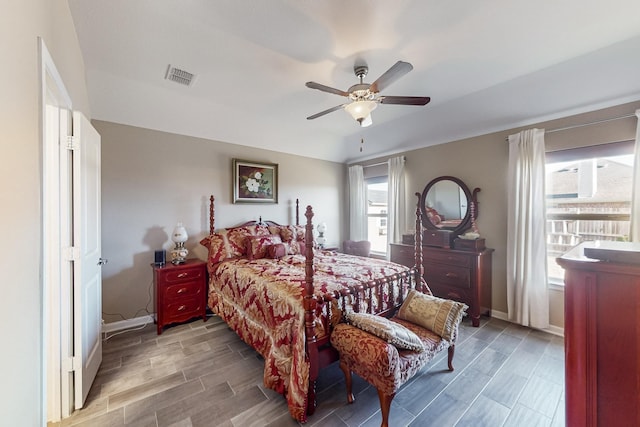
(451,351)
(385,406)
(347,380)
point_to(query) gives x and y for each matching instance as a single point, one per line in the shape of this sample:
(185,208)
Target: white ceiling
(487,66)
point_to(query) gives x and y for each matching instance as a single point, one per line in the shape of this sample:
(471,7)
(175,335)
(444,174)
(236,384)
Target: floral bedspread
(262,299)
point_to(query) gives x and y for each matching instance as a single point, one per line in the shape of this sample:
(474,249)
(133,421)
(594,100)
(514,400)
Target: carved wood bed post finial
(418,244)
(309,314)
(297,212)
(211,217)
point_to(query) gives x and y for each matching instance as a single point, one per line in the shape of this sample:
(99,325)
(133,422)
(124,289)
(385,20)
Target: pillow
(257,245)
(295,247)
(391,332)
(440,316)
(216,244)
(276,251)
(292,232)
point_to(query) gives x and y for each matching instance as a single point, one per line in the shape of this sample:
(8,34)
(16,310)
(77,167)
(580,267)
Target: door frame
(54,305)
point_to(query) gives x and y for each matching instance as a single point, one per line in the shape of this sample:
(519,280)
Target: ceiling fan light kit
(365,97)
(361,111)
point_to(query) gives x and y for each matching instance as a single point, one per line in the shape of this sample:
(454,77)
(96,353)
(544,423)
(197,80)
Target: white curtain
(357,204)
(527,291)
(395,203)
(635,189)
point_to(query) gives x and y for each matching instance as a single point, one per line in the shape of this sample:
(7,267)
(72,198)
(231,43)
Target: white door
(87,275)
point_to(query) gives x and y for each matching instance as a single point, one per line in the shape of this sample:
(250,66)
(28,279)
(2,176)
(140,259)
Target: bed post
(297,212)
(211,219)
(419,267)
(309,314)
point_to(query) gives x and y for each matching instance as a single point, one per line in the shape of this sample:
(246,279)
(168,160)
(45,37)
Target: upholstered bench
(384,354)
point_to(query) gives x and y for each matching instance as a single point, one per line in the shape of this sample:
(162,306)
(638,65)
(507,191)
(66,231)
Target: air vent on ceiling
(179,76)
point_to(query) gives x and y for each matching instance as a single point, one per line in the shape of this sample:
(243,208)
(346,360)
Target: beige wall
(151,180)
(482,162)
(21,23)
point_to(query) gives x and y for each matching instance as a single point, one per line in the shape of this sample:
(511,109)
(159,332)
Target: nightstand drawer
(179,309)
(446,257)
(448,275)
(183,275)
(182,290)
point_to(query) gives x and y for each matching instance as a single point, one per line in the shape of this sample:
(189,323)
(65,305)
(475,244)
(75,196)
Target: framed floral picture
(255,182)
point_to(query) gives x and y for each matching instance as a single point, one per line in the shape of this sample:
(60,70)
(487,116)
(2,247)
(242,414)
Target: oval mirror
(445,204)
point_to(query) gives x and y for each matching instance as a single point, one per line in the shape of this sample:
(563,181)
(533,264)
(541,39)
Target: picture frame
(255,182)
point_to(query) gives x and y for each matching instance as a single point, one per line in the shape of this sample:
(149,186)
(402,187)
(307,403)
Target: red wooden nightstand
(180,292)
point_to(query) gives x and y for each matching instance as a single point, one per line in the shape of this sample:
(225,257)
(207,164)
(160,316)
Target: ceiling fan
(366,97)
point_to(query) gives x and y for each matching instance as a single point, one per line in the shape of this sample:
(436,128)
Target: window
(377,190)
(588,198)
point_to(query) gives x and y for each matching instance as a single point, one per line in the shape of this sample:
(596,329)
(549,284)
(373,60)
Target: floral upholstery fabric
(230,242)
(392,332)
(276,251)
(439,315)
(262,300)
(257,245)
(379,363)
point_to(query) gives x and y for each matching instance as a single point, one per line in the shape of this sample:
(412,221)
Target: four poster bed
(283,297)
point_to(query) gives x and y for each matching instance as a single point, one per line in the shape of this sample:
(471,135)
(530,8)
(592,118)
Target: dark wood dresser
(180,292)
(463,276)
(602,339)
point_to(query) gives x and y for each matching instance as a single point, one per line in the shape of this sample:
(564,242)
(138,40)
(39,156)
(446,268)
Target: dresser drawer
(404,255)
(450,275)
(446,257)
(184,308)
(183,275)
(182,290)
(451,292)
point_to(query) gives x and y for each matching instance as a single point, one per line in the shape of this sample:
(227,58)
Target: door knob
(103,261)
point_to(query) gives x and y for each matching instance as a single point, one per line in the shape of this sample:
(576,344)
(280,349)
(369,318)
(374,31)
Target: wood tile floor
(202,374)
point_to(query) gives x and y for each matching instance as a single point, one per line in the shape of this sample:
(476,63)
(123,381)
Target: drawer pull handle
(451,275)
(181,275)
(182,307)
(182,290)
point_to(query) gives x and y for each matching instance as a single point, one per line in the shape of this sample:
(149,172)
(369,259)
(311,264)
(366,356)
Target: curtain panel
(527,290)
(357,204)
(635,189)
(396,201)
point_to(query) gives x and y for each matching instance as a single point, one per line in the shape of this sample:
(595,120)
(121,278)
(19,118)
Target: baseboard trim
(122,325)
(552,329)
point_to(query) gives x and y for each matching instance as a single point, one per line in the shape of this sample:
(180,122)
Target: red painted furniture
(602,340)
(180,292)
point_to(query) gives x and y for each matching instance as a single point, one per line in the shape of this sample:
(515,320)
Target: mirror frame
(471,198)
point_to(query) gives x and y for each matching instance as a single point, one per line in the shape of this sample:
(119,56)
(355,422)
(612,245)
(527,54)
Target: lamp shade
(322,227)
(361,111)
(179,234)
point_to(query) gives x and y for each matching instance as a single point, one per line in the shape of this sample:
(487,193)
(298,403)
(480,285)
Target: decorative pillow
(440,316)
(434,216)
(276,251)
(216,244)
(275,229)
(295,247)
(292,232)
(257,245)
(237,238)
(391,332)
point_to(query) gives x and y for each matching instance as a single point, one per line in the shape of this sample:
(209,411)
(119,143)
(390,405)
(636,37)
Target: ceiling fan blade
(398,70)
(405,100)
(314,85)
(322,113)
